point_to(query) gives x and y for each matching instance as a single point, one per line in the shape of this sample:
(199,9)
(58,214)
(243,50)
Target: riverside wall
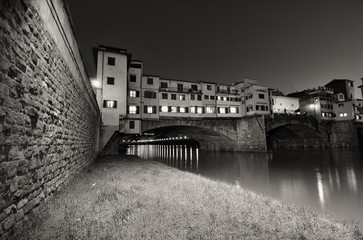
(49,118)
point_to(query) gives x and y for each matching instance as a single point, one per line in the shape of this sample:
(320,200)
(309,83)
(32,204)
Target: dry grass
(129,198)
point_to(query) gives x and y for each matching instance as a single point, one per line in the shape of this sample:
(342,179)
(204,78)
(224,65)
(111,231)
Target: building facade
(317,102)
(343,86)
(126,95)
(284,104)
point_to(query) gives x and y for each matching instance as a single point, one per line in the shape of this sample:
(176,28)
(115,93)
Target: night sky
(286,44)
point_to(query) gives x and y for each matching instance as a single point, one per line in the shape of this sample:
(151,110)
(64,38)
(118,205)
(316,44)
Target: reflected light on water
(320,190)
(326,181)
(352,180)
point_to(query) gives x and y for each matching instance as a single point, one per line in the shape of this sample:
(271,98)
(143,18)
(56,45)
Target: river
(328,181)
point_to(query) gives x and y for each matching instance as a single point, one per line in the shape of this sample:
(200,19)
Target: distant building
(284,104)
(317,102)
(343,110)
(358,110)
(344,86)
(361,87)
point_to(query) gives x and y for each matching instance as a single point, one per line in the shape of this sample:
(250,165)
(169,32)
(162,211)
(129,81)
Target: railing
(232,92)
(181,90)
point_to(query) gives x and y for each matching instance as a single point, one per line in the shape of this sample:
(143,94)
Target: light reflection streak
(352,180)
(320,190)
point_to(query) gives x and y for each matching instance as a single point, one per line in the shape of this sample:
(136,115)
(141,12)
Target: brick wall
(49,118)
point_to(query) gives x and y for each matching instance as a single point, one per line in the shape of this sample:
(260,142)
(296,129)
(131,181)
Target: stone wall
(328,134)
(49,119)
(343,134)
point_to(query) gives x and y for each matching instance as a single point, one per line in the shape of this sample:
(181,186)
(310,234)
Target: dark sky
(285,44)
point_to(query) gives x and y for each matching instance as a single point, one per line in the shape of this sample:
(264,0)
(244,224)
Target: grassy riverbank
(126,197)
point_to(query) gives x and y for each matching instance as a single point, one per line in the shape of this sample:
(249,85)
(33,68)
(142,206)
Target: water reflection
(326,181)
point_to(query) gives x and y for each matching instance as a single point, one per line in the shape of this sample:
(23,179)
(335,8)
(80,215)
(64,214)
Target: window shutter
(169,109)
(104,103)
(178,109)
(145,109)
(203,110)
(186,109)
(115,106)
(137,93)
(154,109)
(227,110)
(137,110)
(237,109)
(128,110)
(159,108)
(218,110)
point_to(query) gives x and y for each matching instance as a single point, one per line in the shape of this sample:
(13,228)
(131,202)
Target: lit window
(174,109)
(192,109)
(233,109)
(132,109)
(149,109)
(222,110)
(210,109)
(109,104)
(200,110)
(111,61)
(132,93)
(164,109)
(182,109)
(182,97)
(219,98)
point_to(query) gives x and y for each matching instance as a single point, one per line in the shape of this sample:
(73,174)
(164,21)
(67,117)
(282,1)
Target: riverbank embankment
(125,197)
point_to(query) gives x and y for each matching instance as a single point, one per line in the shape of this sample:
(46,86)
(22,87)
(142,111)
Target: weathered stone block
(9,222)
(22,203)
(12,168)
(19,215)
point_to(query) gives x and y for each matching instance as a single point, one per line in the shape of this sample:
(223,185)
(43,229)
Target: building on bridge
(126,95)
(284,104)
(317,102)
(344,86)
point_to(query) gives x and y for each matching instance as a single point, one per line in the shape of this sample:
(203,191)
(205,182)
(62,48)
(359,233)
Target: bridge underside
(296,136)
(198,134)
(207,139)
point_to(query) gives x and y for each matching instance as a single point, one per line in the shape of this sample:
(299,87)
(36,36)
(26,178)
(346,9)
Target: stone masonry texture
(48,131)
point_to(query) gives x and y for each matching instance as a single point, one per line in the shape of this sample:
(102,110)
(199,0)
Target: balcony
(228,91)
(180,90)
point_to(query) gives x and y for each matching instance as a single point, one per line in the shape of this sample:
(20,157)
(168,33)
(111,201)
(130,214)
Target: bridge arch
(285,131)
(226,128)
